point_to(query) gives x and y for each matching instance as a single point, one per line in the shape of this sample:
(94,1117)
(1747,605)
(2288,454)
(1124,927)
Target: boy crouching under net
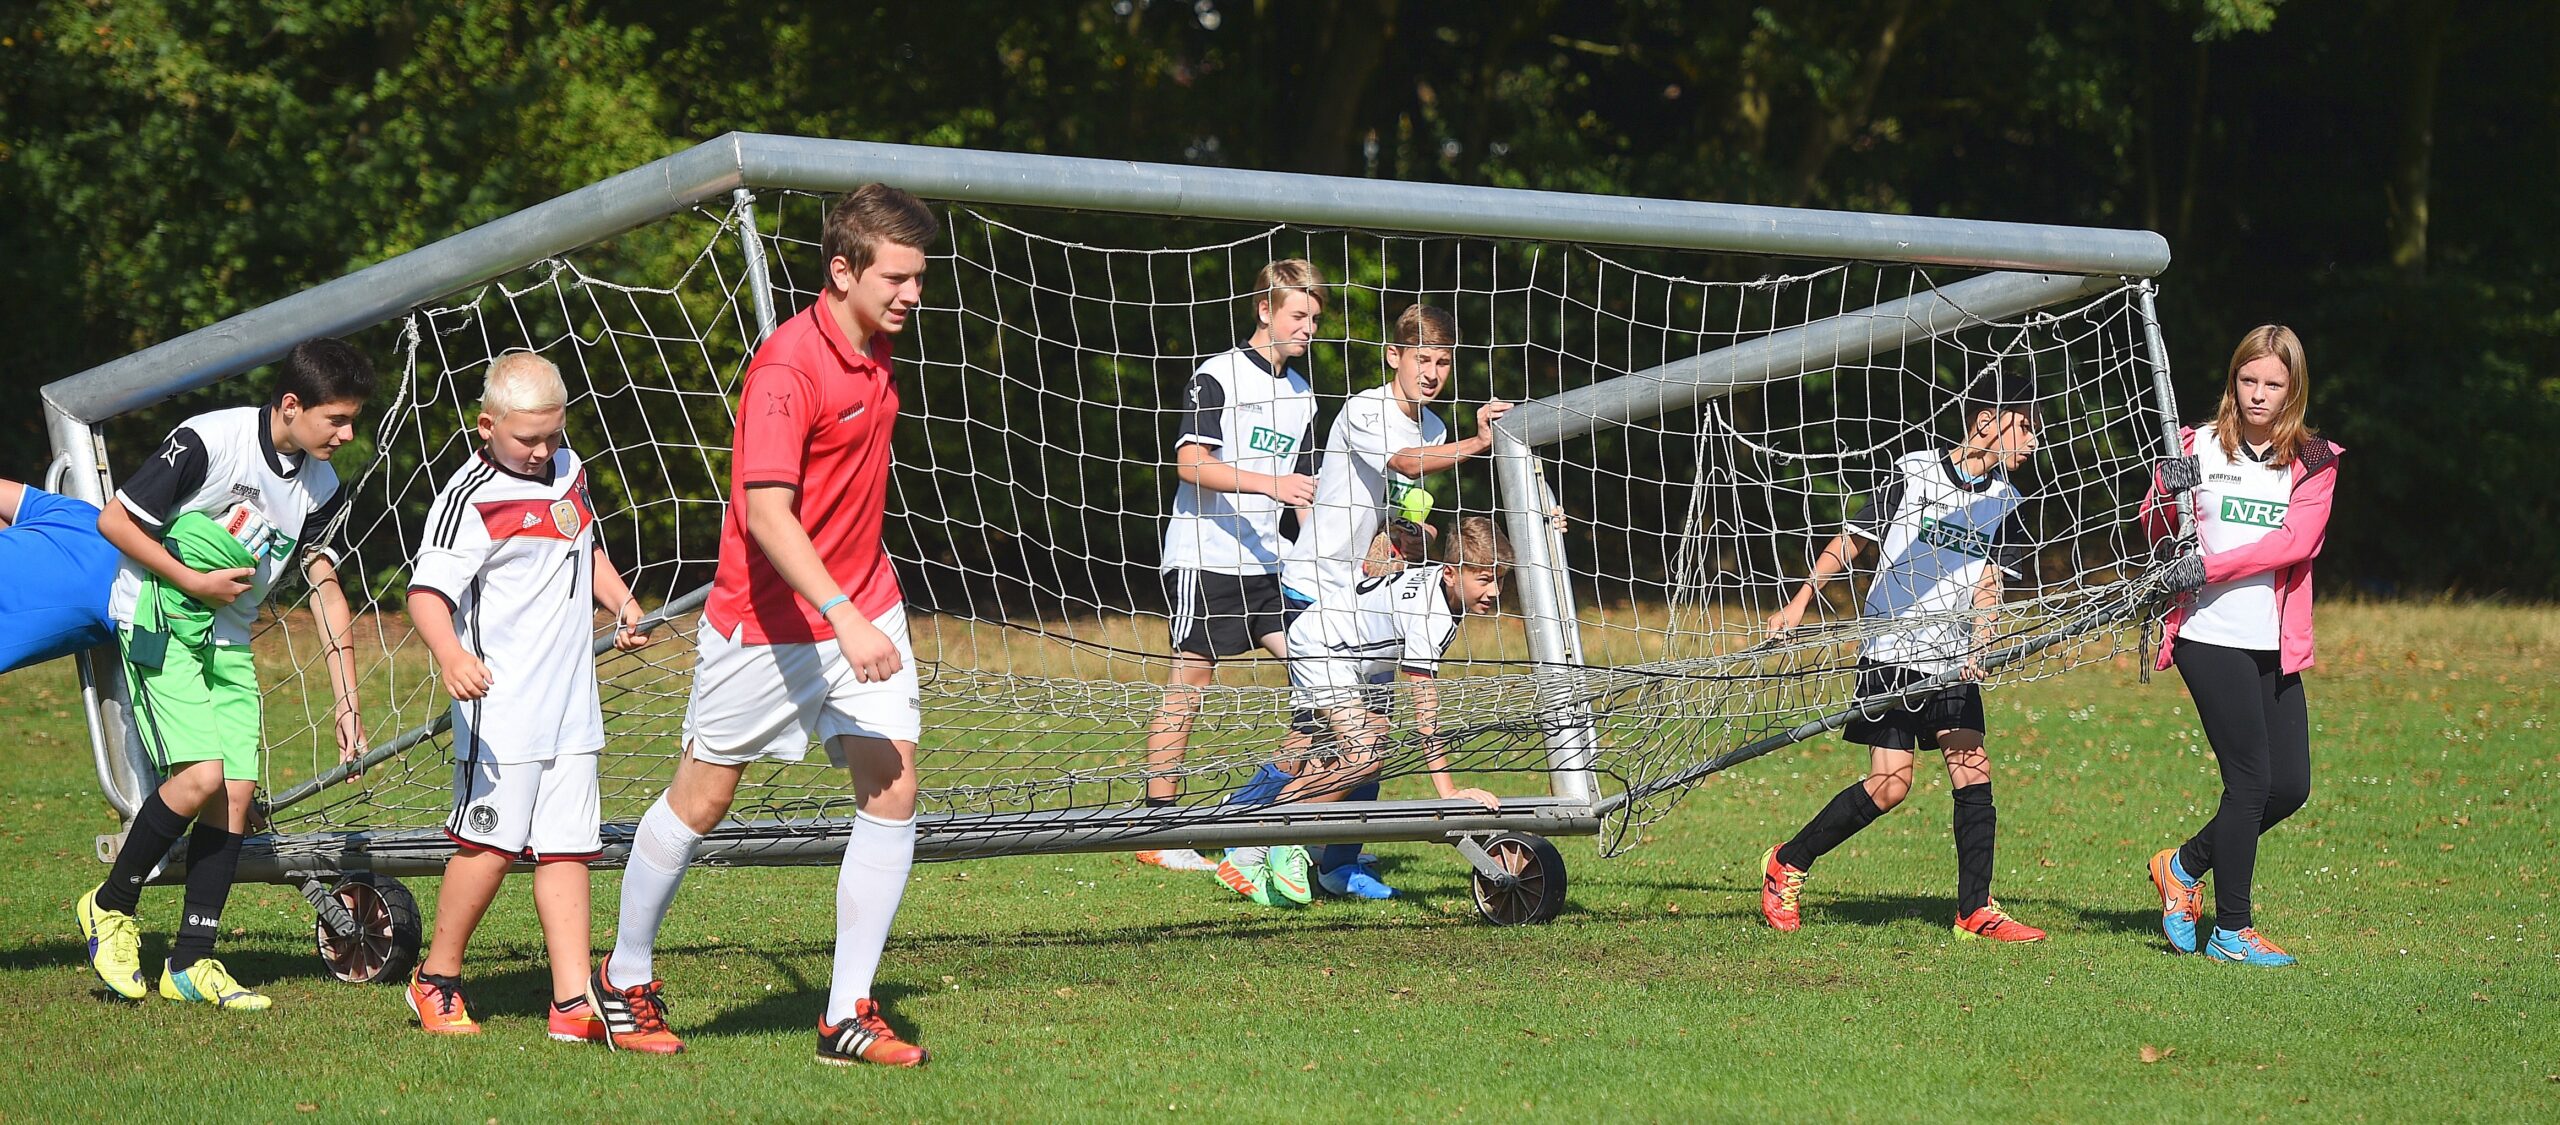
(1405,620)
(500,594)
(1946,524)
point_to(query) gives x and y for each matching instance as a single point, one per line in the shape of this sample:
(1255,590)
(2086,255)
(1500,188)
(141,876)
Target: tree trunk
(2412,165)
(1833,128)
(1347,57)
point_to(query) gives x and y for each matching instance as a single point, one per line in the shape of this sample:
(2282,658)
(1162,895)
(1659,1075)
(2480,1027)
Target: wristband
(833,602)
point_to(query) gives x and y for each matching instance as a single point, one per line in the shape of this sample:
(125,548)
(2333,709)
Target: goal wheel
(1534,890)
(385,944)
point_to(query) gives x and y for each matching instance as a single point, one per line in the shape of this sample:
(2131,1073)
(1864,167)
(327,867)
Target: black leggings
(2254,715)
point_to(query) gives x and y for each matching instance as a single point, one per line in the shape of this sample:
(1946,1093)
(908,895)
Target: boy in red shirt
(805,634)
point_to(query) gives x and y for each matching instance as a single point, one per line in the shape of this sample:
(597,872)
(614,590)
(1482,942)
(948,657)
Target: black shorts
(1915,725)
(1221,615)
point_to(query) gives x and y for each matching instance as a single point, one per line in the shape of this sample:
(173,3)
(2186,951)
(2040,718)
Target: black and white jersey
(1354,489)
(1254,419)
(1938,532)
(1403,620)
(224,465)
(513,554)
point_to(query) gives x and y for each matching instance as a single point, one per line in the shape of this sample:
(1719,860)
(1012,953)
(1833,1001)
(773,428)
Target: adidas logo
(531,519)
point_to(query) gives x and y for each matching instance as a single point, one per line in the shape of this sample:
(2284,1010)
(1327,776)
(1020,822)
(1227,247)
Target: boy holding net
(500,594)
(1946,523)
(1383,443)
(206,525)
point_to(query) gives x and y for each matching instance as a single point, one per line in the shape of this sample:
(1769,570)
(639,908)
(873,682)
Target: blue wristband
(833,602)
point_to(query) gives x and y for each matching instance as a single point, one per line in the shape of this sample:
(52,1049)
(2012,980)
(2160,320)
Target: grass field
(2416,887)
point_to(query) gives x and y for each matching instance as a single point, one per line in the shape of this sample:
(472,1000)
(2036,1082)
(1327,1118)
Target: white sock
(660,849)
(1248,857)
(877,856)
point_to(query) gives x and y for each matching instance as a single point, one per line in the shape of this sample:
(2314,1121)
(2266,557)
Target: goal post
(1041,738)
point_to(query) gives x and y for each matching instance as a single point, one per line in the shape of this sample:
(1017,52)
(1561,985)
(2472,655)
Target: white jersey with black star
(513,554)
(224,465)
(1256,420)
(1939,532)
(1354,490)
(1403,620)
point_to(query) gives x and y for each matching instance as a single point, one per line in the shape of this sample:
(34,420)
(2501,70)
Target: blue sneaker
(2245,947)
(2181,900)
(1355,881)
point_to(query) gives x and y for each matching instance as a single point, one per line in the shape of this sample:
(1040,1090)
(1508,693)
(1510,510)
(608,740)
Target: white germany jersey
(2241,501)
(512,554)
(1253,419)
(1354,490)
(224,465)
(1401,620)
(1938,533)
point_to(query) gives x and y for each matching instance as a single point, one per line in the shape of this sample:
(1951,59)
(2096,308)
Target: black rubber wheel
(1536,890)
(385,946)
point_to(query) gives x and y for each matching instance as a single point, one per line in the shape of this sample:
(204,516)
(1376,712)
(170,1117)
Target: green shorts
(199,705)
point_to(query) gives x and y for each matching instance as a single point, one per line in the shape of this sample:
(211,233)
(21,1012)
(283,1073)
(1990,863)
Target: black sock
(213,858)
(1163,802)
(1850,810)
(570,1005)
(155,828)
(1977,827)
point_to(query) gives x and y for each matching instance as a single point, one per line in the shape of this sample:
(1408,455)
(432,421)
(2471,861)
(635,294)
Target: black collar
(1255,354)
(276,462)
(545,478)
(1956,478)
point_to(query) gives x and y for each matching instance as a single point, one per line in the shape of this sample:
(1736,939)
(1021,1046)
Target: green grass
(2417,887)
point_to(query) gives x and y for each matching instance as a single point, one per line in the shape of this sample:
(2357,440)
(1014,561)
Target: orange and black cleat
(579,1024)
(1781,890)
(866,1038)
(635,1018)
(1994,924)
(439,1006)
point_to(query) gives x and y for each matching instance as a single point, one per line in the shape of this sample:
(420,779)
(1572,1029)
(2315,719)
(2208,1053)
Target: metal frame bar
(736,163)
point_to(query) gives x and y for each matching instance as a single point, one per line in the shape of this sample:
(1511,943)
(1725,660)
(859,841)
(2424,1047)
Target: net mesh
(1042,383)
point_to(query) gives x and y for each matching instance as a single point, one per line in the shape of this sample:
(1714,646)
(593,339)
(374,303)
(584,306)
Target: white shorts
(536,811)
(764,703)
(1321,683)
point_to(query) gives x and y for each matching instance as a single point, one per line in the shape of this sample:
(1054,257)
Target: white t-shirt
(1354,490)
(2239,503)
(512,554)
(1938,532)
(220,463)
(1255,420)
(1401,620)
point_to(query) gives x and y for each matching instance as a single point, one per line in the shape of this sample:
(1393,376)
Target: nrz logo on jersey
(1954,537)
(2255,513)
(1267,440)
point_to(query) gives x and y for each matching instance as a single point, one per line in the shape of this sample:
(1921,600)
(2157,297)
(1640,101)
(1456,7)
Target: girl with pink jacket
(2262,482)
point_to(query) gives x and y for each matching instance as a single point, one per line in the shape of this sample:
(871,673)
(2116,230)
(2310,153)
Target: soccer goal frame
(2030,267)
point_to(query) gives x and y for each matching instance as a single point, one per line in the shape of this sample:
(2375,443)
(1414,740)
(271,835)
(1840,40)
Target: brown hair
(867,216)
(1425,326)
(2288,435)
(1287,275)
(1480,547)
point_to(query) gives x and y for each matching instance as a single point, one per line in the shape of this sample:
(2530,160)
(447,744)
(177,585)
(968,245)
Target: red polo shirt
(814,414)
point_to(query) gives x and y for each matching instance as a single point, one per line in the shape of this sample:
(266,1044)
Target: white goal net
(1042,383)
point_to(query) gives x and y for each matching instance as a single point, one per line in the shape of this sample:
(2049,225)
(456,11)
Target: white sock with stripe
(660,849)
(878,854)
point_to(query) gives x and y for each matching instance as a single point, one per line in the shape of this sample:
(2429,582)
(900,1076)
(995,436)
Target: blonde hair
(522,380)
(1425,326)
(1480,546)
(2287,434)
(1288,275)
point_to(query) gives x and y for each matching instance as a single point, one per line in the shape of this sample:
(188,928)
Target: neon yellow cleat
(207,982)
(115,946)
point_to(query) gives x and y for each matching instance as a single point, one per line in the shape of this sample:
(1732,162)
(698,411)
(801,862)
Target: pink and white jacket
(2287,551)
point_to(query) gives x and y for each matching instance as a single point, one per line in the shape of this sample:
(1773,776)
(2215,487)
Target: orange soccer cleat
(635,1018)
(1994,924)
(1781,890)
(439,1005)
(866,1038)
